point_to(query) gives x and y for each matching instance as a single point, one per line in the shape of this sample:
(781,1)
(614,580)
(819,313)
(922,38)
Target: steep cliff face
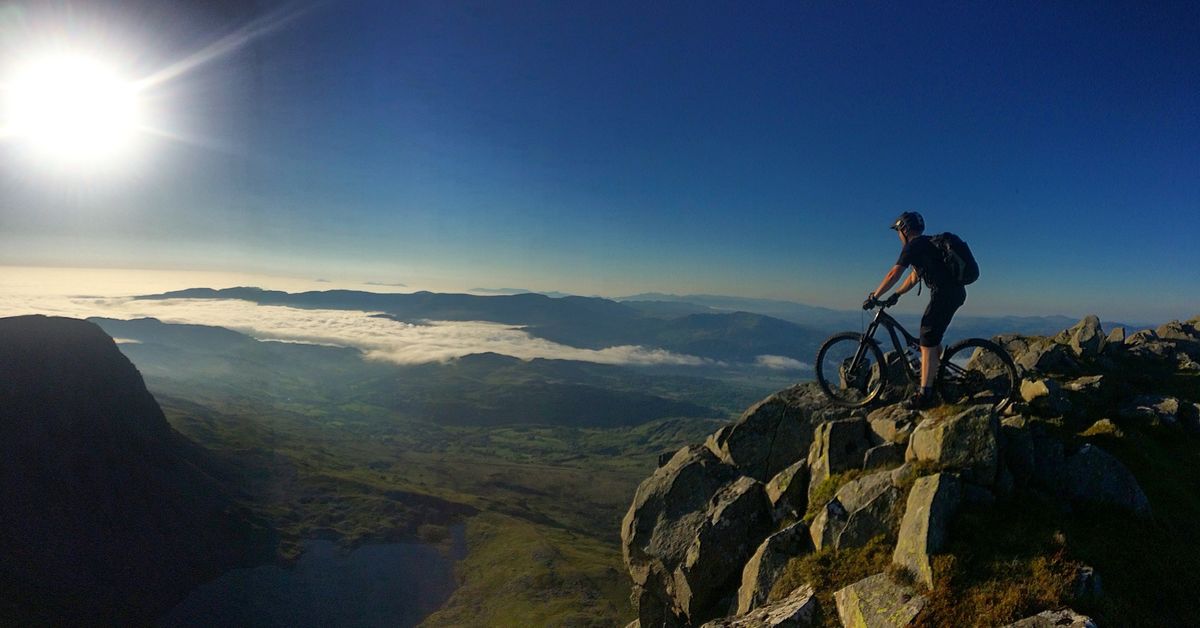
(802,513)
(107,515)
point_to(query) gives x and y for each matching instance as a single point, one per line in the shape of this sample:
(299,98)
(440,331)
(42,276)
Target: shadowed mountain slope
(107,515)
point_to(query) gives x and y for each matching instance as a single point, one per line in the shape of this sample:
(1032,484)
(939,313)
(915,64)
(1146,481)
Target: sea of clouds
(379,338)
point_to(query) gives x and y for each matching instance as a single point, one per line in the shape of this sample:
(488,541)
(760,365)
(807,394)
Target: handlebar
(874,302)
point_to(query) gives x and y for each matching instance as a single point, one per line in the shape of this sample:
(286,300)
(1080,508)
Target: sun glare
(72,109)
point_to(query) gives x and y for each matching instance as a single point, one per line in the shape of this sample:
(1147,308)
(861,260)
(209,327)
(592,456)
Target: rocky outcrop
(878,602)
(797,610)
(788,491)
(668,511)
(966,441)
(837,446)
(738,518)
(717,527)
(773,433)
(1086,338)
(931,502)
(861,510)
(767,563)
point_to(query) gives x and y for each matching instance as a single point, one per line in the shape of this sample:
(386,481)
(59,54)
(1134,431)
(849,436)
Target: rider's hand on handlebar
(892,300)
(870,302)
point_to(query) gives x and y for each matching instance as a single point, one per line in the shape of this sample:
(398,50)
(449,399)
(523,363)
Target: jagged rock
(931,502)
(788,491)
(738,519)
(661,524)
(1094,475)
(1176,330)
(878,602)
(892,424)
(1044,396)
(1042,355)
(861,510)
(966,442)
(1152,408)
(1103,426)
(1087,584)
(887,455)
(775,432)
(1115,338)
(1065,618)
(1090,384)
(1141,337)
(768,562)
(837,446)
(637,623)
(1086,338)
(797,610)
(904,475)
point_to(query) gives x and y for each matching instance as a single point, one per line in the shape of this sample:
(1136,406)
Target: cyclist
(945,296)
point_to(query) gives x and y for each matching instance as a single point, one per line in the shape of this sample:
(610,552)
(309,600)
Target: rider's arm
(890,279)
(908,283)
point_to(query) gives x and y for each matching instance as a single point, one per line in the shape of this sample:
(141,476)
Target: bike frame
(892,325)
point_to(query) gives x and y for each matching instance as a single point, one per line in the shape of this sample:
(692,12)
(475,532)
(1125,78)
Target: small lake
(393,585)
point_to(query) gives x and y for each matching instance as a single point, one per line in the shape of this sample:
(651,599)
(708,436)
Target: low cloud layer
(781,363)
(379,338)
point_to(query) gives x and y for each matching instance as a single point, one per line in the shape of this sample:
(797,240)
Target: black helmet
(909,222)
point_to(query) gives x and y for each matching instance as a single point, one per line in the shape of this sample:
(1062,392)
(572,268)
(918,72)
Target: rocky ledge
(711,532)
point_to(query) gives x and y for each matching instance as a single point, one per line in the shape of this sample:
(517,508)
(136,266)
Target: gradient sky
(755,149)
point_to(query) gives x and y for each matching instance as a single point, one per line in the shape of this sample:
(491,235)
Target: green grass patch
(829,570)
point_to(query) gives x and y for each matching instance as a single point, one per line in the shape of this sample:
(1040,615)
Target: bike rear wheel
(848,381)
(977,371)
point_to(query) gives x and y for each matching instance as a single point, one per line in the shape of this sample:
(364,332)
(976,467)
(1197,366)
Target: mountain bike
(853,371)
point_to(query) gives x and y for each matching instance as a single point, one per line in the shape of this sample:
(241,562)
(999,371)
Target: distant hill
(107,514)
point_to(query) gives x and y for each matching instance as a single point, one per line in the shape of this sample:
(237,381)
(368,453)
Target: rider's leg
(929,364)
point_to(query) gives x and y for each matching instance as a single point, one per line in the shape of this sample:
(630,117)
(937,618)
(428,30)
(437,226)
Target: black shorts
(942,306)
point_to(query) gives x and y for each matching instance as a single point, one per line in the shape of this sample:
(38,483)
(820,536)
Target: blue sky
(613,148)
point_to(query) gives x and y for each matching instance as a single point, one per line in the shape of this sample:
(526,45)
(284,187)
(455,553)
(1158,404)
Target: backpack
(958,258)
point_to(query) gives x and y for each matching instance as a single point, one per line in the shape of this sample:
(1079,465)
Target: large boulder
(1065,618)
(965,442)
(837,446)
(861,510)
(885,456)
(1086,338)
(1093,475)
(775,432)
(788,491)
(891,424)
(737,520)
(661,524)
(931,503)
(768,562)
(878,602)
(797,610)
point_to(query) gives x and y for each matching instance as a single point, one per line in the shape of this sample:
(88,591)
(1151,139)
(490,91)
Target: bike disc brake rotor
(854,379)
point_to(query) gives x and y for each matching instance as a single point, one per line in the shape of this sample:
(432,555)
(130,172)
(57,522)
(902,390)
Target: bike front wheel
(977,371)
(850,369)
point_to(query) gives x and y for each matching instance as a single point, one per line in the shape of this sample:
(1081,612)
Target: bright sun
(71,108)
